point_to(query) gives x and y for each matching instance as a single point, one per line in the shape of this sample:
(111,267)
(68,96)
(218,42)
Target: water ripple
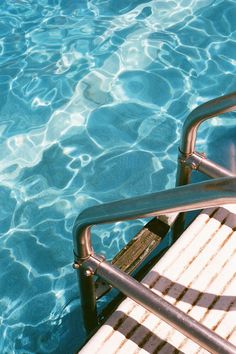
(93,96)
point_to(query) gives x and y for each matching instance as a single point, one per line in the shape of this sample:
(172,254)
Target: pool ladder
(183,198)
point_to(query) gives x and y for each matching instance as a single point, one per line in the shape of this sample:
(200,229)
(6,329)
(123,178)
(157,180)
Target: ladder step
(138,249)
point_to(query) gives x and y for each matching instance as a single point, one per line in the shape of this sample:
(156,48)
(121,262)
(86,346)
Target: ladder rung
(138,249)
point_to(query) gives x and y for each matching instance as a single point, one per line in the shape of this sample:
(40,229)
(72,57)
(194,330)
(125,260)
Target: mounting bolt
(76,265)
(88,272)
(194,166)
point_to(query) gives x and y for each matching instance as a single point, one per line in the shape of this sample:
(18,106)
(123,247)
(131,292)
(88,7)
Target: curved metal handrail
(203,112)
(180,199)
(185,198)
(196,196)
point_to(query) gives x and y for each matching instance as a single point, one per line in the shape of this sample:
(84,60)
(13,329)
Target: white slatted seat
(197,275)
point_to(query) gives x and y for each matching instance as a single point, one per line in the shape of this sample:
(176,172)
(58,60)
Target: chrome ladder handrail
(189,159)
(200,195)
(210,109)
(182,198)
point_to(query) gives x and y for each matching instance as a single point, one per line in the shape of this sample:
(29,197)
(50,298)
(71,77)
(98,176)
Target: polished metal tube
(160,307)
(199,162)
(180,199)
(185,198)
(205,111)
(210,168)
(87,299)
(183,174)
(186,165)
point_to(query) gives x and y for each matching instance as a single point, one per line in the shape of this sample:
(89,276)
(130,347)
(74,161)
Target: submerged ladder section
(136,254)
(183,198)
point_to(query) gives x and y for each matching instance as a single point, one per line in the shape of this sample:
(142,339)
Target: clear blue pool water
(93,95)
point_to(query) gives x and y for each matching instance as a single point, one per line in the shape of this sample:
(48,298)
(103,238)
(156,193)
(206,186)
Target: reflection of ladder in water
(191,255)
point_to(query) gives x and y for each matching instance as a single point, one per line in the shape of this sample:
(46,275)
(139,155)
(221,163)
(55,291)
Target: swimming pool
(93,94)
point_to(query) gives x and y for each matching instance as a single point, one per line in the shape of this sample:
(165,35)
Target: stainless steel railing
(203,112)
(180,199)
(185,198)
(189,159)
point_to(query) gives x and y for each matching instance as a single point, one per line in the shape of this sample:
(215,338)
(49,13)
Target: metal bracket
(198,161)
(92,268)
(192,161)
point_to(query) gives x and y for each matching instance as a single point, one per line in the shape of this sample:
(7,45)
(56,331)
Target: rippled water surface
(93,95)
